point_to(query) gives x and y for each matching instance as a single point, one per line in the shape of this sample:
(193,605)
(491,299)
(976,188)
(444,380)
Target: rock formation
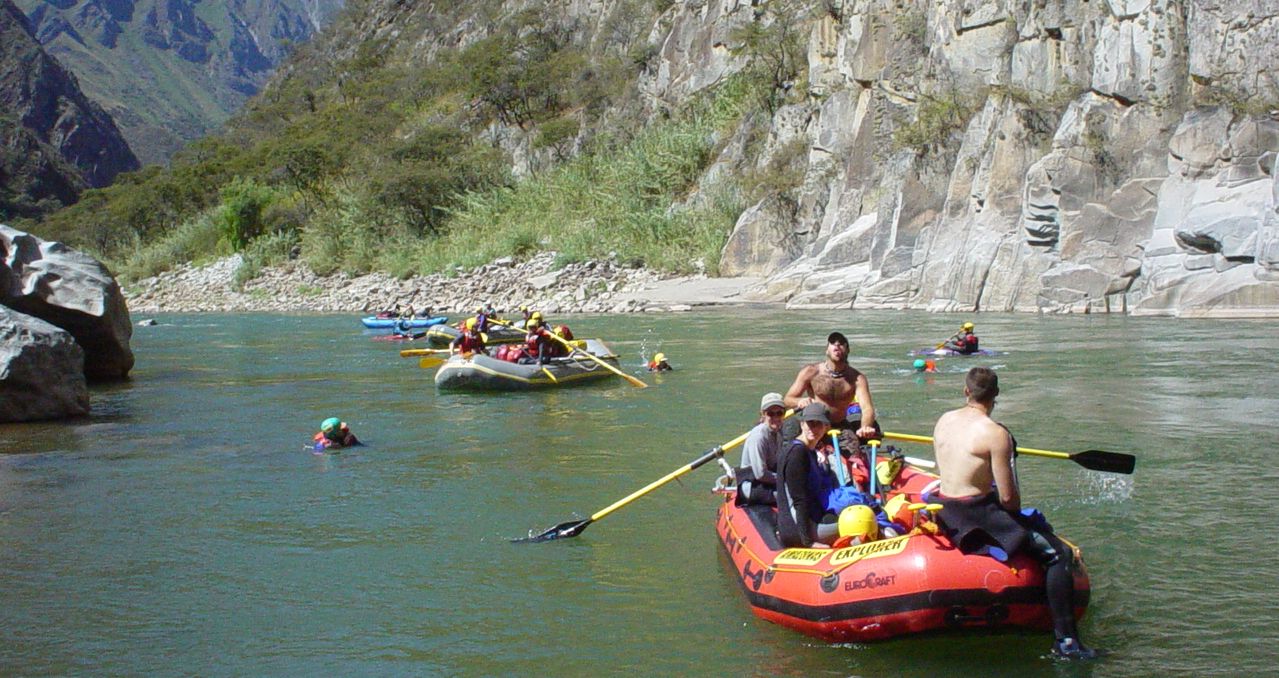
(41,370)
(1112,155)
(72,291)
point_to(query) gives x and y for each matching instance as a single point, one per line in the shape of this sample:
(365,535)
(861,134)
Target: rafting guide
(975,454)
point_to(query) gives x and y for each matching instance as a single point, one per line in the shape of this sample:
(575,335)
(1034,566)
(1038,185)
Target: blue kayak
(375,323)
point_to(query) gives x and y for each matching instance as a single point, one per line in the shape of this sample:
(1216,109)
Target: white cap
(771,400)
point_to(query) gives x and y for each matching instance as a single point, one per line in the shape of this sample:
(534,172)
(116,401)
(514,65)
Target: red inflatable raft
(909,584)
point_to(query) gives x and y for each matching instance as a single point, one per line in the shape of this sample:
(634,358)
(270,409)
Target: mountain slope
(169,71)
(54,141)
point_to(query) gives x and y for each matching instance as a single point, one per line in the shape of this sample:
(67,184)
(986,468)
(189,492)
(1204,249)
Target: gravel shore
(586,287)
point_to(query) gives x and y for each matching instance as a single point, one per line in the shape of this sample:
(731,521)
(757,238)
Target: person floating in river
(963,341)
(922,365)
(334,433)
(975,454)
(659,364)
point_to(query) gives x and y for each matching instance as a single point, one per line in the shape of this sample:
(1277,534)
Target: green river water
(184,529)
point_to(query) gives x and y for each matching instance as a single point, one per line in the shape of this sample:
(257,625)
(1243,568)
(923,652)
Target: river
(185,529)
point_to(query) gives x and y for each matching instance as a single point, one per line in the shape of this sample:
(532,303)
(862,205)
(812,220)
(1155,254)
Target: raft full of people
(544,356)
(833,537)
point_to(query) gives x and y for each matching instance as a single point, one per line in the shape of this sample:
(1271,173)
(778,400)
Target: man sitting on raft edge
(975,453)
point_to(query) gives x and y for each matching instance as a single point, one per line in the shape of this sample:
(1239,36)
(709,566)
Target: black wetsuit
(799,504)
(974,522)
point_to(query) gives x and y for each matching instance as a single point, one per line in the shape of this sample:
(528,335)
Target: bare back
(973,453)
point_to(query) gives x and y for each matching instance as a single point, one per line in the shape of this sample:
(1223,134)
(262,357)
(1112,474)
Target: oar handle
(712,453)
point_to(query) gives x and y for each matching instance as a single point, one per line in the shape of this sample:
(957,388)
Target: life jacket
(471,342)
(564,333)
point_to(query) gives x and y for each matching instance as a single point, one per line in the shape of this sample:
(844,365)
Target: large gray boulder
(73,291)
(41,370)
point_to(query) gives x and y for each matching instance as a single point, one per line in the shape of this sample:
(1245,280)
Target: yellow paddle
(573,349)
(431,361)
(572,528)
(1096,460)
(414,352)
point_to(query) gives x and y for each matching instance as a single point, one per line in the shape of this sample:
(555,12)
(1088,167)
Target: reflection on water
(185,523)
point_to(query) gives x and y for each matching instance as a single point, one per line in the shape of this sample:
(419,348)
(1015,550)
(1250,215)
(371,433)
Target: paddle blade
(1101,460)
(570,528)
(429,362)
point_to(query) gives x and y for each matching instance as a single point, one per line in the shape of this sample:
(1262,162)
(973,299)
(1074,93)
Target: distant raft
(403,324)
(899,585)
(479,372)
(443,335)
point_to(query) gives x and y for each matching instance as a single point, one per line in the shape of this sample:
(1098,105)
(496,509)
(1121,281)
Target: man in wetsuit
(974,454)
(835,384)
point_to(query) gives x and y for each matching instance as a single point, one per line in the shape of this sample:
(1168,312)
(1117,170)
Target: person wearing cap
(659,364)
(963,341)
(835,384)
(803,485)
(334,433)
(974,454)
(757,474)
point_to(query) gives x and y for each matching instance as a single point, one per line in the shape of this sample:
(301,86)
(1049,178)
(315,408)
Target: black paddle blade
(1101,460)
(570,528)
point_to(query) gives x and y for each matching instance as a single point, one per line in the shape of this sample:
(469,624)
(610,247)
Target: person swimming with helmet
(334,433)
(659,364)
(963,342)
(921,365)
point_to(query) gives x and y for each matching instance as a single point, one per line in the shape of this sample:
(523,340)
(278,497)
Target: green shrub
(240,214)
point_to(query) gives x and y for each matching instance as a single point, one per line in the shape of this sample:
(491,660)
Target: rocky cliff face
(1104,155)
(170,71)
(55,140)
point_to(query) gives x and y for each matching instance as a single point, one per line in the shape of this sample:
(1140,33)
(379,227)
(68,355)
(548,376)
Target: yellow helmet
(858,520)
(659,358)
(537,315)
(968,326)
(470,323)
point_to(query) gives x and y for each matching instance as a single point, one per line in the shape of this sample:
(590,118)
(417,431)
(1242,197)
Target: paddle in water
(572,528)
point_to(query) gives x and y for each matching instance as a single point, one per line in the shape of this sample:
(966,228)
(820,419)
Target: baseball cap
(815,412)
(771,400)
(836,337)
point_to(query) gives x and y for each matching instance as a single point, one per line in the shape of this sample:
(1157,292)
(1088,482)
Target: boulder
(73,291)
(41,370)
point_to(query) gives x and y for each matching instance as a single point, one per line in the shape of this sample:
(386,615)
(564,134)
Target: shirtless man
(974,454)
(835,384)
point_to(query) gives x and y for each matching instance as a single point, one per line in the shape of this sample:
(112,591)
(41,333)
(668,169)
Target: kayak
(479,372)
(948,352)
(914,583)
(403,324)
(443,335)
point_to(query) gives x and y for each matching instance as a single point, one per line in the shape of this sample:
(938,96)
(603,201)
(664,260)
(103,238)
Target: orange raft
(908,584)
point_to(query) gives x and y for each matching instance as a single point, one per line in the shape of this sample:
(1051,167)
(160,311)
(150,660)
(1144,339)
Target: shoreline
(583,287)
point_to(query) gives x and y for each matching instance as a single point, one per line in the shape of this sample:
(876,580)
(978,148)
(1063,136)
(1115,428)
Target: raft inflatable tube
(914,583)
(483,373)
(943,352)
(443,335)
(375,323)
